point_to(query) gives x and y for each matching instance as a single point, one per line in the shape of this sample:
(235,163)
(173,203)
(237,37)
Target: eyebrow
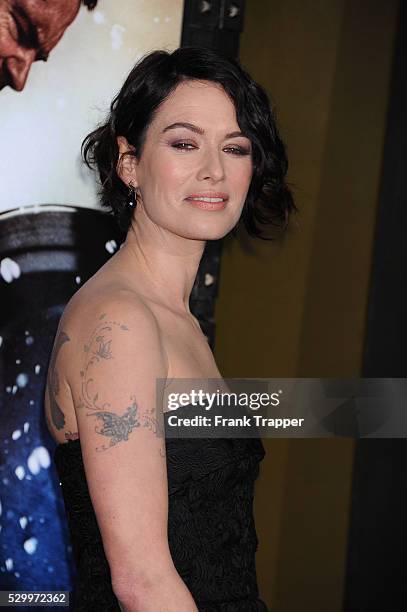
(198,130)
(31,35)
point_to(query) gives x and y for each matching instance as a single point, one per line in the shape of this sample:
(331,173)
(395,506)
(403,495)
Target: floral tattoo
(114,428)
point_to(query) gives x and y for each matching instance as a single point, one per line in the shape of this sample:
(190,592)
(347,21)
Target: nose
(18,67)
(211,166)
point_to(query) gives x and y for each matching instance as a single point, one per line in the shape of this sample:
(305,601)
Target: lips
(205,205)
(208,196)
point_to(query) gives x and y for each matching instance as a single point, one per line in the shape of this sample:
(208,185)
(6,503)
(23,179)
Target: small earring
(131,196)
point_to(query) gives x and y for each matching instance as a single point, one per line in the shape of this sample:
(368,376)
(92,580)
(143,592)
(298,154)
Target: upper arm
(118,357)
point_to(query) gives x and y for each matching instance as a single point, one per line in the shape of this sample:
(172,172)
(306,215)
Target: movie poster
(61,63)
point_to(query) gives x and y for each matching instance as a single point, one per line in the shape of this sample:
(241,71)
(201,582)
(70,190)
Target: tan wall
(297,308)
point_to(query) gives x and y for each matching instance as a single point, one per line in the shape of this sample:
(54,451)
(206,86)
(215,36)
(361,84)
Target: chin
(214,233)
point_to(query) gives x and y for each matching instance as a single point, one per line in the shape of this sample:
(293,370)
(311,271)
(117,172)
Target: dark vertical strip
(213,24)
(376,568)
(386,328)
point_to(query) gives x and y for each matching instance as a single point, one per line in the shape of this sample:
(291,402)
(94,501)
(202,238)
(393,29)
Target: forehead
(50,17)
(199,101)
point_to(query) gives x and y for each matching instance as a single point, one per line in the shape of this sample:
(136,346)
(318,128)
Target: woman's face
(193,151)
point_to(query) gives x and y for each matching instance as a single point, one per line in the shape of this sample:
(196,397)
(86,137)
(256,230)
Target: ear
(126,167)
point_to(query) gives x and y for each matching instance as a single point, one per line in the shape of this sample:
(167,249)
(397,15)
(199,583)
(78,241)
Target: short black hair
(269,200)
(90,4)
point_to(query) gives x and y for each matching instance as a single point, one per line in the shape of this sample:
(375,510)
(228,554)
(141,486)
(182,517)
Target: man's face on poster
(29,30)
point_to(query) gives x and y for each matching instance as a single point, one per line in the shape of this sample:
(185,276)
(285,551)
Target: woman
(189,148)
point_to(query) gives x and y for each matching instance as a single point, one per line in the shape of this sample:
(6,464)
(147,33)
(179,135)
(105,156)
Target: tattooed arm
(119,358)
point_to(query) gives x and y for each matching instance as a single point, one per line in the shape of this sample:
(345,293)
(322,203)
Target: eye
(187,146)
(238,150)
(183,146)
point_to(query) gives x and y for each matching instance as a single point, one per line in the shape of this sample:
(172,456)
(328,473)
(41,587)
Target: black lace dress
(211,531)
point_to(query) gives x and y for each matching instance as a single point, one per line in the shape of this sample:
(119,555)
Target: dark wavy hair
(269,200)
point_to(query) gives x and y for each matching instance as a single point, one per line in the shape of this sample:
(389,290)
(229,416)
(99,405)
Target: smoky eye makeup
(239,149)
(183,144)
(244,148)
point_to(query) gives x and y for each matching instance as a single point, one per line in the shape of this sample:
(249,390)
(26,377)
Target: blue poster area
(46,254)
(33,533)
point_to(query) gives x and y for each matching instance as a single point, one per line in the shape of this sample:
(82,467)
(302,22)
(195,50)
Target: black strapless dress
(211,531)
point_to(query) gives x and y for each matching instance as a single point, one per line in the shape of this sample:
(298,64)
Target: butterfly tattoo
(115,427)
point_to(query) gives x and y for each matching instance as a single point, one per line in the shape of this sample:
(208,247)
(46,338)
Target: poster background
(46,252)
(43,125)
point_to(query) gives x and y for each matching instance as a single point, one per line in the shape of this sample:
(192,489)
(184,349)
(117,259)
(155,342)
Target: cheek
(170,173)
(242,175)
(159,180)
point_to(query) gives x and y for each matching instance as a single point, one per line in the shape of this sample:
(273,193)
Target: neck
(159,264)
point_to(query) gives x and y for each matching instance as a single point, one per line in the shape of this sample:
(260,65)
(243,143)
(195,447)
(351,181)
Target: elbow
(134,587)
(128,596)
(130,588)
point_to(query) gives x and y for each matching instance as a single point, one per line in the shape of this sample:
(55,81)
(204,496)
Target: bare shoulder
(97,318)
(104,338)
(118,299)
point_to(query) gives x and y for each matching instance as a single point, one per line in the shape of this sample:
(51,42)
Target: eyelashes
(182,145)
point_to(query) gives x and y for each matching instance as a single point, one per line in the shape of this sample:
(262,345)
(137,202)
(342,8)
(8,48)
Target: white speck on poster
(22,380)
(9,269)
(19,472)
(23,522)
(116,36)
(30,545)
(99,17)
(39,458)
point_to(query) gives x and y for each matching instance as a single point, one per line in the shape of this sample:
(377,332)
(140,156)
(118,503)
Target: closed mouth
(204,199)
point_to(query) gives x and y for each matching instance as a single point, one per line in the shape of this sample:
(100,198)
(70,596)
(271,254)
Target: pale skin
(131,324)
